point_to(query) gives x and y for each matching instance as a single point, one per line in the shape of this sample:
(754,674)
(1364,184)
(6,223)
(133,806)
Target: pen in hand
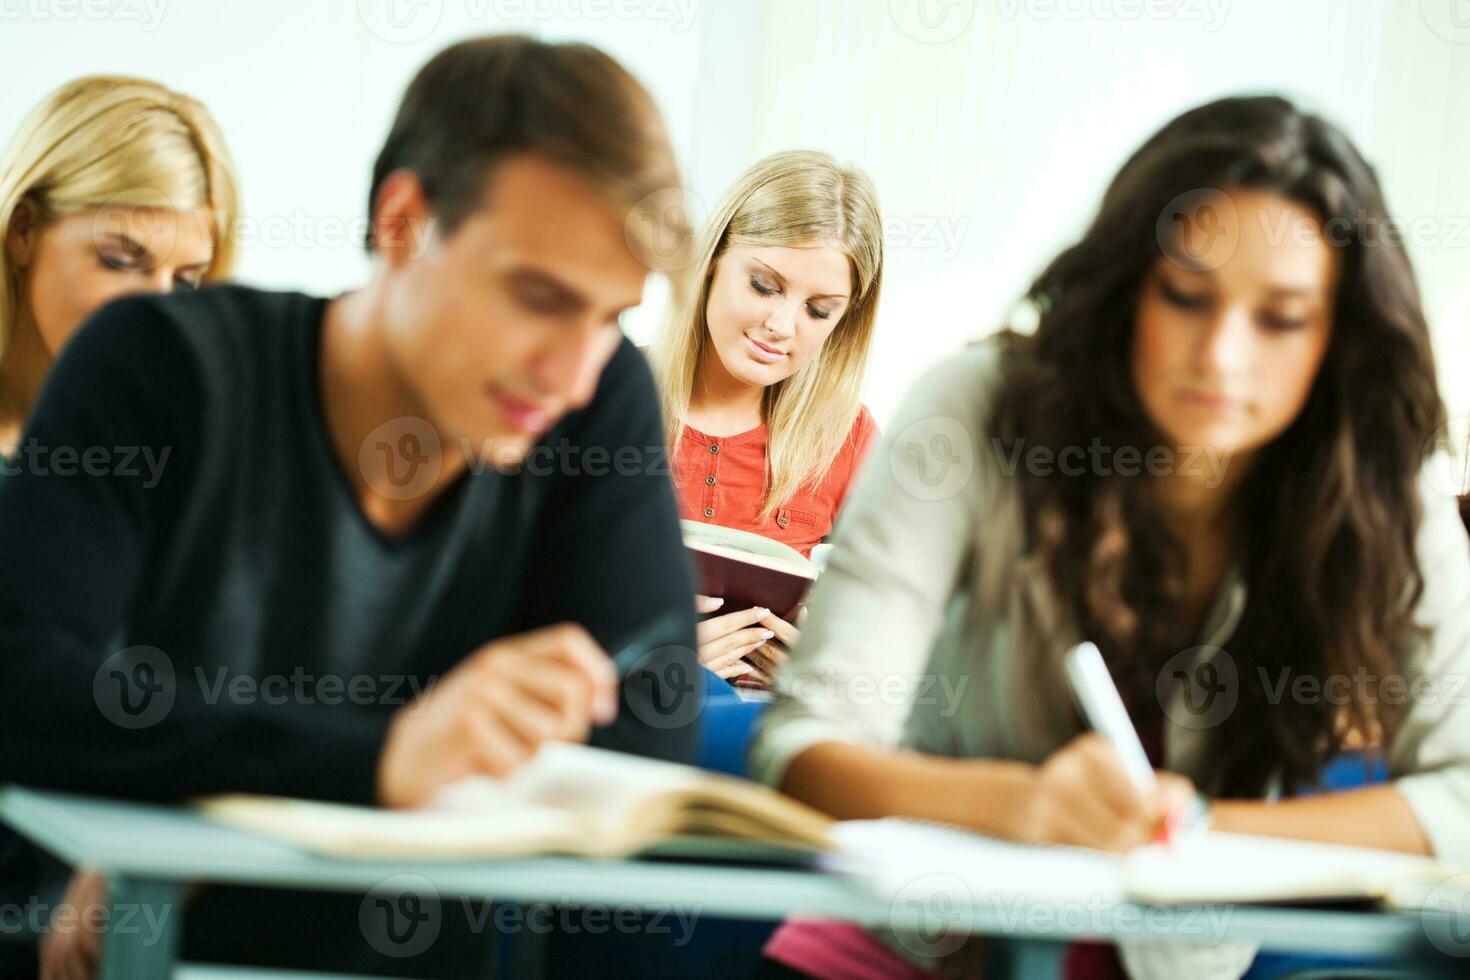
(1104,709)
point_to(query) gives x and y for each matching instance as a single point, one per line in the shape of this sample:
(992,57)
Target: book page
(1221,867)
(719,539)
(602,787)
(918,861)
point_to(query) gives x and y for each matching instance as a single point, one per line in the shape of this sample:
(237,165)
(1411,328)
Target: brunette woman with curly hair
(1209,458)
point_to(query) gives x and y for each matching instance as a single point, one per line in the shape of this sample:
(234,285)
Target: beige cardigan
(912,632)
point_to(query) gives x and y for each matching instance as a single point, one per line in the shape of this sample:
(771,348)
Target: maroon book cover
(747,569)
(744,585)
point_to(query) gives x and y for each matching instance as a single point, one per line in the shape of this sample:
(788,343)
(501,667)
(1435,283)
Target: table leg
(1024,959)
(142,938)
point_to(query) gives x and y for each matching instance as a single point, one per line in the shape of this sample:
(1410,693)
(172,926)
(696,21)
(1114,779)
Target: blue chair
(729,724)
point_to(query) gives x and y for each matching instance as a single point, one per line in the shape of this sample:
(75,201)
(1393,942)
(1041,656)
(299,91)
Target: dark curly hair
(1329,510)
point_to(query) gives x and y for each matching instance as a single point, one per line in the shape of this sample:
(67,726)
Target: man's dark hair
(481,101)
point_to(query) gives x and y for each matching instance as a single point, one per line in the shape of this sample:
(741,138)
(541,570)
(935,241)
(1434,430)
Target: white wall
(990,126)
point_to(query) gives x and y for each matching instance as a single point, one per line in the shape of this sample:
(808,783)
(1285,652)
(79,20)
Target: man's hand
(73,940)
(492,712)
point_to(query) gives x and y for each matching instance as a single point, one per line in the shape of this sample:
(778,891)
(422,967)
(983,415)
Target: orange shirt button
(709,512)
(714,448)
(709,480)
(782,521)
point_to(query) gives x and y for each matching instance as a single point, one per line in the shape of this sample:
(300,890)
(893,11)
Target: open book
(900,856)
(748,569)
(569,799)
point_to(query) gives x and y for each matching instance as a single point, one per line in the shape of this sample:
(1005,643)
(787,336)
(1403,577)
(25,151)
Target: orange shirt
(721,479)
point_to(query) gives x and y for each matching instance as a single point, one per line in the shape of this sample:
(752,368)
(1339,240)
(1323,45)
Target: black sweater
(192,602)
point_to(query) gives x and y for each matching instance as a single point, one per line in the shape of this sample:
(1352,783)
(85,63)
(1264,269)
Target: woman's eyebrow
(769,269)
(782,278)
(1290,290)
(127,241)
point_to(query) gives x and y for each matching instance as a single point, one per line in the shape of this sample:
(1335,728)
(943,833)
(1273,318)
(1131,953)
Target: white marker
(1093,686)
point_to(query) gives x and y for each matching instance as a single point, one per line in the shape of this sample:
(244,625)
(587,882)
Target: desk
(149,852)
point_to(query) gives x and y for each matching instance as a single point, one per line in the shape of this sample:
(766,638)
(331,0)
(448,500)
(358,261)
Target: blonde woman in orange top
(761,370)
(112,186)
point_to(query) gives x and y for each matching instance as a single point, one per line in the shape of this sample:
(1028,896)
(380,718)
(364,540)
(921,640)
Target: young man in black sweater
(246,530)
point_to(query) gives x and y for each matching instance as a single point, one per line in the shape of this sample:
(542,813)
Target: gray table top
(168,844)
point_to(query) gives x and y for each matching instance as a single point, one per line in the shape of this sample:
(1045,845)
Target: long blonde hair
(795,199)
(114,140)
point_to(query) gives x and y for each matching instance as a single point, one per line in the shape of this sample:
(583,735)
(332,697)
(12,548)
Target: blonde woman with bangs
(760,371)
(111,186)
